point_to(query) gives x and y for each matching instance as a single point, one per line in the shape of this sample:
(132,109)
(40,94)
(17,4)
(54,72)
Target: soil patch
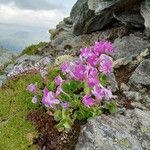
(50,138)
(123,74)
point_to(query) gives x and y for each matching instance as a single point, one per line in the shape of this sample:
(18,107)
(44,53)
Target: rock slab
(141,76)
(130,132)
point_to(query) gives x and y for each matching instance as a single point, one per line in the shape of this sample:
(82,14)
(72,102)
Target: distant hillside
(16,38)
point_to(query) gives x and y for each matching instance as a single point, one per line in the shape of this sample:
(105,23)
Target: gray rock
(113,85)
(131,18)
(100,5)
(44,61)
(141,76)
(26,63)
(1,83)
(140,58)
(27,59)
(65,41)
(3,79)
(138,97)
(145,10)
(9,68)
(138,105)
(5,57)
(147,32)
(130,132)
(120,62)
(85,20)
(93,15)
(129,47)
(124,87)
(68,21)
(133,95)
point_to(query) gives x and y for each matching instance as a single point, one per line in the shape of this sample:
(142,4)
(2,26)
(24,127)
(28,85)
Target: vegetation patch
(33,49)
(16,132)
(64,98)
(76,93)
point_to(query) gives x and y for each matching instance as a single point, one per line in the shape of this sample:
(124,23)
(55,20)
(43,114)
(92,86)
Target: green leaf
(79,115)
(60,127)
(75,101)
(66,88)
(87,90)
(64,97)
(111,106)
(67,124)
(65,121)
(72,86)
(58,115)
(103,79)
(52,86)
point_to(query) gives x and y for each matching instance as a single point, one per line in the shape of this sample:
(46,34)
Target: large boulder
(86,21)
(130,132)
(93,15)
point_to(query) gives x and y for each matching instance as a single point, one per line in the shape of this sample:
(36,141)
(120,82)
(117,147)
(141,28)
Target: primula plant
(81,92)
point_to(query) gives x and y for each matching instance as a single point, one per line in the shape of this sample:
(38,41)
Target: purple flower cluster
(92,62)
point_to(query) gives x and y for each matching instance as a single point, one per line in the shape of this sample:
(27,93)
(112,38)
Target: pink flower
(34,99)
(58,80)
(86,53)
(32,88)
(91,76)
(93,60)
(88,101)
(107,94)
(98,93)
(65,67)
(43,72)
(91,72)
(59,90)
(102,93)
(64,105)
(106,64)
(92,82)
(49,99)
(103,47)
(78,71)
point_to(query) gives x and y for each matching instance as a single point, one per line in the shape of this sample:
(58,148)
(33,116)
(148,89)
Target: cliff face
(92,20)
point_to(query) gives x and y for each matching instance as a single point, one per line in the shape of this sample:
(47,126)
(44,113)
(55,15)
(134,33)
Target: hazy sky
(42,13)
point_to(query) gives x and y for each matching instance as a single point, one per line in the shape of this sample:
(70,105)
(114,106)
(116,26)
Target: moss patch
(33,49)
(16,132)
